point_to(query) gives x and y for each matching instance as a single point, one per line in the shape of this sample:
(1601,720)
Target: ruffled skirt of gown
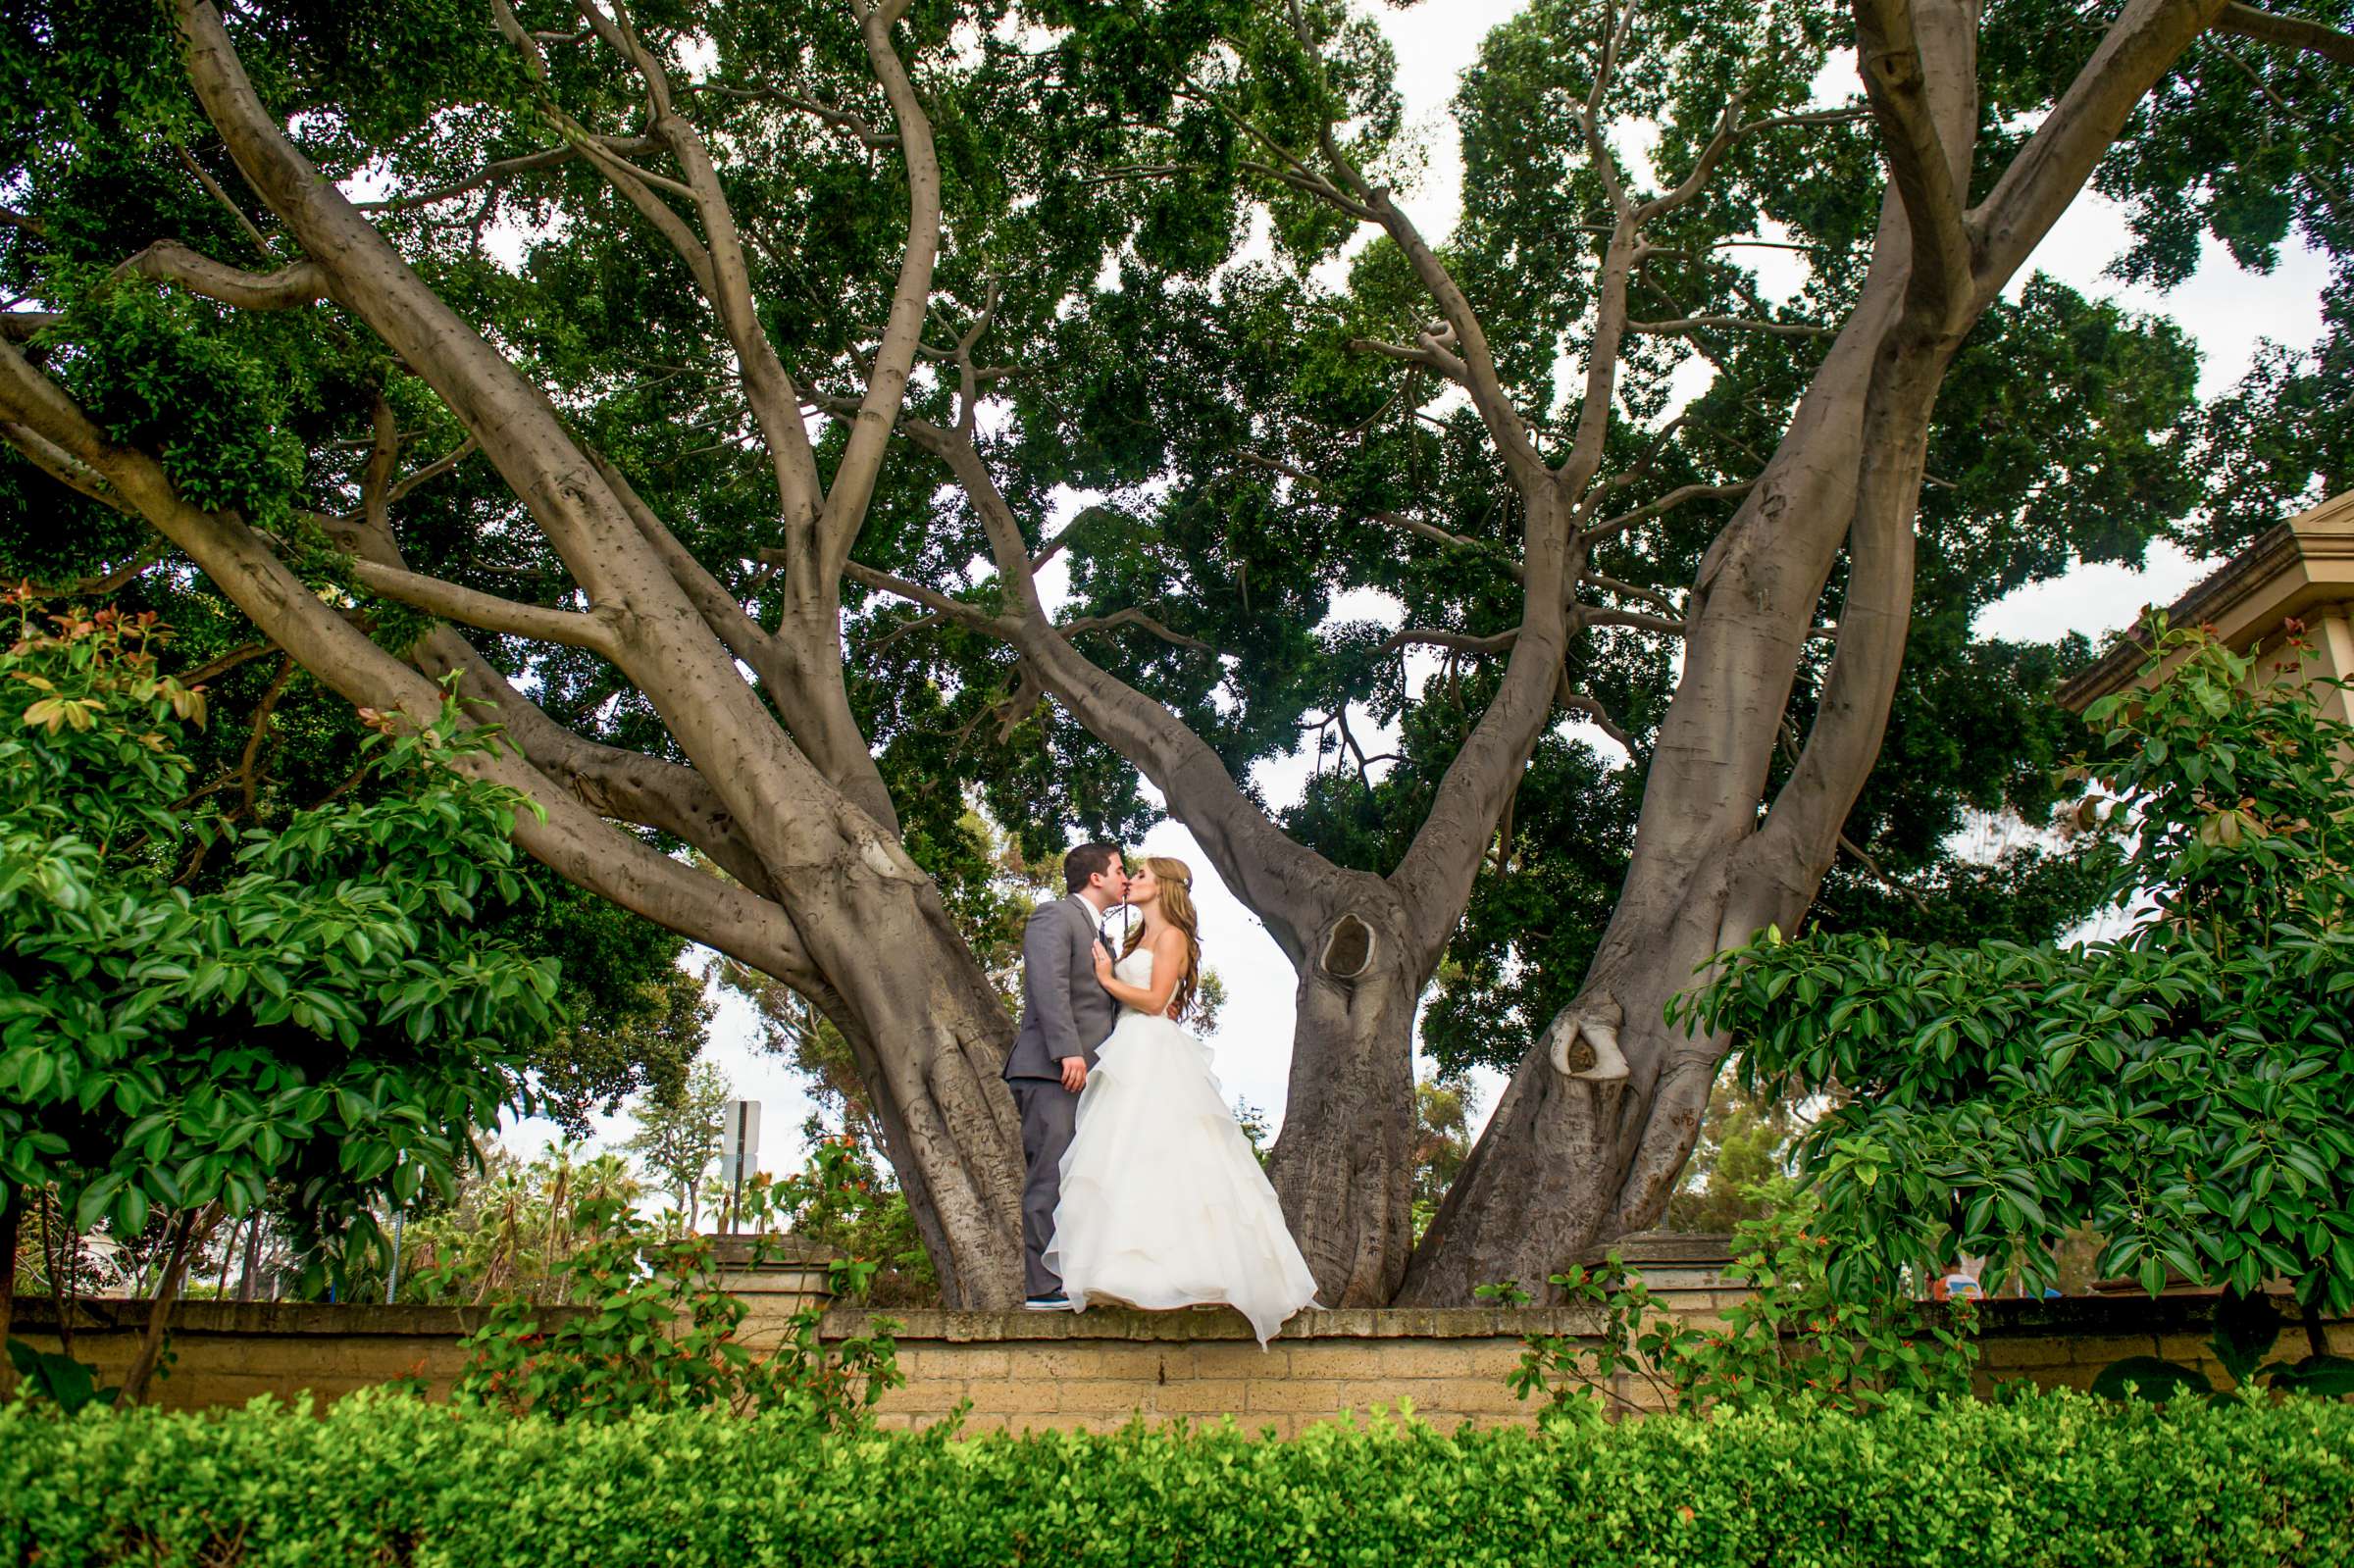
(1163,1204)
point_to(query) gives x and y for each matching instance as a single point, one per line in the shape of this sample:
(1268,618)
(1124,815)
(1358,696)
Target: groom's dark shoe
(1057,1302)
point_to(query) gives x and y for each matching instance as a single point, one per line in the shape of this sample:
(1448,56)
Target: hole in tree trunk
(1349,949)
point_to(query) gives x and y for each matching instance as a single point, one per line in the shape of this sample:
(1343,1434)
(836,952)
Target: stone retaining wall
(227,1352)
(1095,1370)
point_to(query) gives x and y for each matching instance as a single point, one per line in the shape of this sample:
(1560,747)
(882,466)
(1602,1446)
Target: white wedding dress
(1163,1204)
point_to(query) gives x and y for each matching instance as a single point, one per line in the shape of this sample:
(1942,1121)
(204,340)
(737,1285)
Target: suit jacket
(1065,1011)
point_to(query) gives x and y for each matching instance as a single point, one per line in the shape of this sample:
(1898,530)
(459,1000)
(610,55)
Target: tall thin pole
(400,1217)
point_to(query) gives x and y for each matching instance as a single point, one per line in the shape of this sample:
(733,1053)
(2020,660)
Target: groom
(1065,1016)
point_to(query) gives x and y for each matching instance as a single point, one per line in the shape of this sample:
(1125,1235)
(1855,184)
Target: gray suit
(1064,1013)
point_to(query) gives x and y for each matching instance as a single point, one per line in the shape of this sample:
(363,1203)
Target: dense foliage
(657,1330)
(1791,1343)
(2182,1087)
(1098,194)
(2050,1481)
(1744,1146)
(844,1198)
(328,1015)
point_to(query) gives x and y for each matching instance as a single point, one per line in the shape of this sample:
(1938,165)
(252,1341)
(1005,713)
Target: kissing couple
(1141,1187)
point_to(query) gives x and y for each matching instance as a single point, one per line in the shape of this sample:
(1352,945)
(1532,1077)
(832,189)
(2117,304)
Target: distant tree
(1743,1149)
(510,1231)
(677,1142)
(1256,1131)
(1443,1107)
(639,1018)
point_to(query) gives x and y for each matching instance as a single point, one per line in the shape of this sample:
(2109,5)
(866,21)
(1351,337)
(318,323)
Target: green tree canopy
(705,388)
(327,1017)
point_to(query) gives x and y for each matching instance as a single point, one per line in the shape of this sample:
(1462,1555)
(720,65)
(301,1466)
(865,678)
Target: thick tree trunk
(1601,1113)
(1547,1180)
(1344,1163)
(929,1036)
(1581,1151)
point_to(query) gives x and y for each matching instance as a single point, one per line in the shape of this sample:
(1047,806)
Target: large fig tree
(591,353)
(1487,430)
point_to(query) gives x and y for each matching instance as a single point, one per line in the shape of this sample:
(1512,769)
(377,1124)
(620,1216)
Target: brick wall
(1096,1370)
(2066,1342)
(226,1353)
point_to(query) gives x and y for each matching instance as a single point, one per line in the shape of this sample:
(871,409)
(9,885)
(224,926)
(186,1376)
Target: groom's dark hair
(1087,862)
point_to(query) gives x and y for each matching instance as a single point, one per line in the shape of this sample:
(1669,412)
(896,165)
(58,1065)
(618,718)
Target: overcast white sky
(2224,308)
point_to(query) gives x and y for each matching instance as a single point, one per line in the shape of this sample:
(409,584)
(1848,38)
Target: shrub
(2180,1088)
(844,1198)
(1792,1343)
(318,1016)
(660,1334)
(2052,1480)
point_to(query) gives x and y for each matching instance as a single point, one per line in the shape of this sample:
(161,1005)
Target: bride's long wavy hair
(1176,879)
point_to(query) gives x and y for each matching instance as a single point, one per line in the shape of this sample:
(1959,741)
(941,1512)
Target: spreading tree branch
(1895,81)
(291,287)
(624,147)
(939,603)
(1691,324)
(61,465)
(2294,33)
(1136,618)
(570,839)
(213,189)
(2045,177)
(1666,503)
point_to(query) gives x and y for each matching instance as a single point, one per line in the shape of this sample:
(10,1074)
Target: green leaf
(2245,1329)
(2148,1378)
(95,1199)
(2328,1377)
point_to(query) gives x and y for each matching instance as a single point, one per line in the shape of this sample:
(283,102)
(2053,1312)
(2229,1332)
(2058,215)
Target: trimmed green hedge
(2051,1480)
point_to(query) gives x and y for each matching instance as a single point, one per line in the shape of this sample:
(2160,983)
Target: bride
(1163,1204)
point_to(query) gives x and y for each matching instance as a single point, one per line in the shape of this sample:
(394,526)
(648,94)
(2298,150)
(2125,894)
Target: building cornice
(2291,569)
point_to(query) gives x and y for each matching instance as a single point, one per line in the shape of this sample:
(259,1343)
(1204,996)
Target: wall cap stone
(1998,1318)
(1206,1324)
(101,1314)
(1650,1248)
(780,1251)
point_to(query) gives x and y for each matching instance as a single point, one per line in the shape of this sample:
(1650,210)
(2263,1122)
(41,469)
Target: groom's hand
(1074,1072)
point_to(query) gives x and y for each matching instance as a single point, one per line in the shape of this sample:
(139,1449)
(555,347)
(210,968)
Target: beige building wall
(2303,569)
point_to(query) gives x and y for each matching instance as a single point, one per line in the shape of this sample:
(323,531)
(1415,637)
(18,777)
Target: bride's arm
(1167,968)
